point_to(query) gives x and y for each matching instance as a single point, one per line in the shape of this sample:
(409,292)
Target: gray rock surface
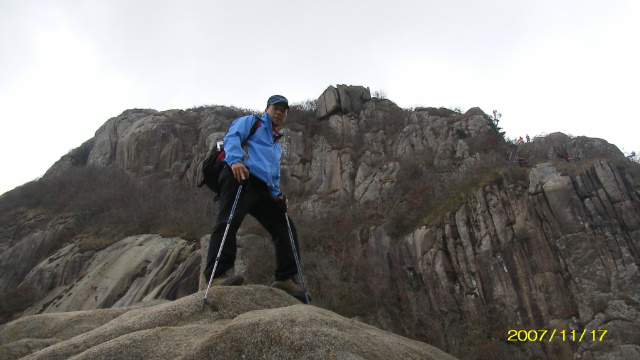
(344,99)
(132,270)
(560,256)
(237,322)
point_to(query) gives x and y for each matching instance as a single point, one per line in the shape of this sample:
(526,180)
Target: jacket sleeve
(237,133)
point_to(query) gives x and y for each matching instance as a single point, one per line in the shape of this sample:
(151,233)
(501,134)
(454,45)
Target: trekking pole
(295,255)
(224,237)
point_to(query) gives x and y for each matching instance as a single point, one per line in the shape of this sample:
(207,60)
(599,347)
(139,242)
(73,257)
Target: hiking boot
(226,280)
(292,287)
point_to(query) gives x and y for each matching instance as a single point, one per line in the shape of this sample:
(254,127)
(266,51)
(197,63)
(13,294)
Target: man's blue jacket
(262,151)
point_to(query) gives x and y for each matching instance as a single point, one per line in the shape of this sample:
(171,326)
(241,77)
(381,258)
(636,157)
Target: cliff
(417,221)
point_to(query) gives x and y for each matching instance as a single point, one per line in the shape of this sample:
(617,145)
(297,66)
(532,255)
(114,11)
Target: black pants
(256,201)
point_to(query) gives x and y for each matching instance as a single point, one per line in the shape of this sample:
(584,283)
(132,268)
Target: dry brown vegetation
(107,201)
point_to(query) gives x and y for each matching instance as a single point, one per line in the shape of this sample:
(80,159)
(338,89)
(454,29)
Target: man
(257,166)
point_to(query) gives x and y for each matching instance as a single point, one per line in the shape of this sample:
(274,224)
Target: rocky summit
(423,232)
(245,322)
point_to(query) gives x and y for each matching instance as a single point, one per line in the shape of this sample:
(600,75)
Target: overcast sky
(546,65)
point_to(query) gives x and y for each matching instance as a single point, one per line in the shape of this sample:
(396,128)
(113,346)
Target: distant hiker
(520,140)
(257,166)
(528,138)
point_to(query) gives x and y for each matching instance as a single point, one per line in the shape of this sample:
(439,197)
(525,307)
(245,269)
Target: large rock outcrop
(460,244)
(252,322)
(559,253)
(23,254)
(132,270)
(558,146)
(342,99)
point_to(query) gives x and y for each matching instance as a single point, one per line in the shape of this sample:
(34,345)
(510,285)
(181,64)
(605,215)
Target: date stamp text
(558,335)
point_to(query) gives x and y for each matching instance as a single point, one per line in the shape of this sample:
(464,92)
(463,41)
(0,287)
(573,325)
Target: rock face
(252,322)
(132,270)
(457,245)
(343,99)
(19,257)
(169,144)
(557,146)
(560,254)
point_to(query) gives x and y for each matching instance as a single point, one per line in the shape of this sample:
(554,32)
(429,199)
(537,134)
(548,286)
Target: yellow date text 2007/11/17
(563,335)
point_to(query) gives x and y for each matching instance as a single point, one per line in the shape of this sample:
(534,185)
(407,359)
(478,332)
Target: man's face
(278,114)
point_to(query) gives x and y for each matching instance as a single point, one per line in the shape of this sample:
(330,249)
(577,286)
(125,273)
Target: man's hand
(282,202)
(240,172)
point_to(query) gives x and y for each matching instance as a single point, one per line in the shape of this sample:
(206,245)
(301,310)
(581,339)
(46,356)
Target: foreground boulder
(237,322)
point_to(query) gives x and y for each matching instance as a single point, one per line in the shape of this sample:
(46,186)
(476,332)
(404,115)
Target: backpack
(212,165)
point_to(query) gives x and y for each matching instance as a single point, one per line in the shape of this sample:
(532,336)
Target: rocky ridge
(553,247)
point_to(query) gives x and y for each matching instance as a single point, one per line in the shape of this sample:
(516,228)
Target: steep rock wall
(560,254)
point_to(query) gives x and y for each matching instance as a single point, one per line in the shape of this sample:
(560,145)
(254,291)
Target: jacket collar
(267,119)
